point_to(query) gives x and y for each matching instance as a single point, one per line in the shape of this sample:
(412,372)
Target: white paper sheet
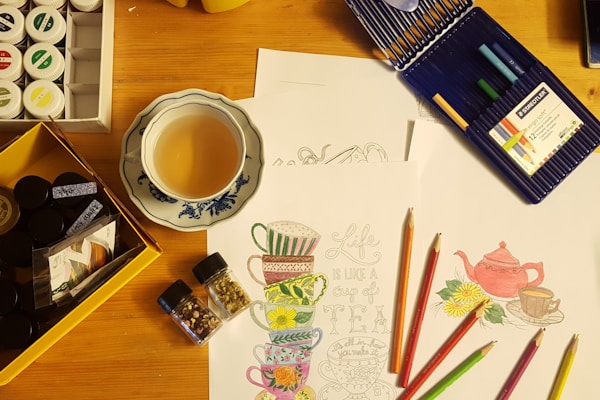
(476,211)
(359,211)
(280,71)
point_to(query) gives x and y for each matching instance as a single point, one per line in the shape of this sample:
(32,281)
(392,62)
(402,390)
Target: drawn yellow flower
(455,308)
(468,292)
(282,318)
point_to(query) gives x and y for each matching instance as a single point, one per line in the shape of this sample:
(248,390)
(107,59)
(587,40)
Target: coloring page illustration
(319,257)
(536,264)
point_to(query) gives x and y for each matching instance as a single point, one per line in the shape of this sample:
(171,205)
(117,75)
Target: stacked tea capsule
(32,55)
(292,289)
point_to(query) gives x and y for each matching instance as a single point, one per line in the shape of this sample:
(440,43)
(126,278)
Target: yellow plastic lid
(215,6)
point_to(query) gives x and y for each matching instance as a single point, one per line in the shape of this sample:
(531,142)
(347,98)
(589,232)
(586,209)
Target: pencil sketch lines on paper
(354,244)
(370,152)
(292,290)
(353,369)
(358,315)
(502,278)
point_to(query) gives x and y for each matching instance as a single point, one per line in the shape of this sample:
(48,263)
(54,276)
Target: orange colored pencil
(521,366)
(401,295)
(443,351)
(417,321)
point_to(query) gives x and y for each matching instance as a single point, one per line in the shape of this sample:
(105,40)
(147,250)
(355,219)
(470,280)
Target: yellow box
(46,152)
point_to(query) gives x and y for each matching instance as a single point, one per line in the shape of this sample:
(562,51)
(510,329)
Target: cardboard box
(47,153)
(87,82)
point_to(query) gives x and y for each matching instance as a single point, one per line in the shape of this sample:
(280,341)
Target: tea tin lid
(32,192)
(44,61)
(208,267)
(16,330)
(55,4)
(9,210)
(8,296)
(11,62)
(44,98)
(11,100)
(172,296)
(67,179)
(12,25)
(46,225)
(45,25)
(86,5)
(16,248)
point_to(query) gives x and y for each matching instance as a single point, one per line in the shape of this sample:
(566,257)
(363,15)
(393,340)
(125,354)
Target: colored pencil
(457,372)
(497,63)
(417,321)
(443,351)
(565,368)
(451,112)
(519,369)
(488,89)
(508,59)
(396,361)
(514,131)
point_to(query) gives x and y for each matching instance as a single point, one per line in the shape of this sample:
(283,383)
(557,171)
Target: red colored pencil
(443,351)
(417,321)
(521,366)
(401,295)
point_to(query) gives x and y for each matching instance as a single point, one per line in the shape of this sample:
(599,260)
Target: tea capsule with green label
(226,292)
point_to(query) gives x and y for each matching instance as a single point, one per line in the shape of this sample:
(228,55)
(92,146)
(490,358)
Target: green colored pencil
(457,372)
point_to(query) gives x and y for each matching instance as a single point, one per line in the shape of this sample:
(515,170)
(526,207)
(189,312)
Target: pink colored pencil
(413,338)
(521,366)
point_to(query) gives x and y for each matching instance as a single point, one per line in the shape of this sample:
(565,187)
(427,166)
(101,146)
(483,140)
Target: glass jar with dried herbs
(226,293)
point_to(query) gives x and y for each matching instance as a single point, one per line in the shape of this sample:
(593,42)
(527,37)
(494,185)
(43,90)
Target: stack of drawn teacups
(292,290)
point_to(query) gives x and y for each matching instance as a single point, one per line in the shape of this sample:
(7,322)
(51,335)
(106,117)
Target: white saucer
(182,215)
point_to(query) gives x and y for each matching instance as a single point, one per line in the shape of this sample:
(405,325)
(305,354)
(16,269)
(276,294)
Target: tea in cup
(537,302)
(304,289)
(282,381)
(286,238)
(192,150)
(279,316)
(279,268)
(280,354)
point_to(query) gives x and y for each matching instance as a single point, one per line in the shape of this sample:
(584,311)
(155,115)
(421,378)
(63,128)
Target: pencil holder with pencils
(506,103)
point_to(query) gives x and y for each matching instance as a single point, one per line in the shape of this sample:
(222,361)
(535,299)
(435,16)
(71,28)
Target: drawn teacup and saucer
(536,306)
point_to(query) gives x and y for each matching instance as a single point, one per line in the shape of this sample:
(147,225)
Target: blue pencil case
(501,97)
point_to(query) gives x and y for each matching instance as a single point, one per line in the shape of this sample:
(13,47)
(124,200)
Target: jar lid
(55,4)
(14,3)
(67,179)
(46,226)
(8,296)
(16,248)
(16,330)
(44,61)
(11,62)
(43,98)
(206,268)
(86,5)
(45,25)
(11,100)
(12,25)
(173,295)
(31,192)
(9,210)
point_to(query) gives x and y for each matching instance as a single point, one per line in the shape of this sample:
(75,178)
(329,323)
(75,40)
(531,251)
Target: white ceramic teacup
(192,150)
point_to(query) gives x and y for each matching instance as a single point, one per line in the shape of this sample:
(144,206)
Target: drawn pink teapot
(500,274)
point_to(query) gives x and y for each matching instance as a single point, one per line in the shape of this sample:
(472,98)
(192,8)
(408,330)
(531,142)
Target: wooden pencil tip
(539,336)
(487,348)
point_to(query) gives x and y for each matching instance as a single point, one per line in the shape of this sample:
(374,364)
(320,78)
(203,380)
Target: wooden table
(128,349)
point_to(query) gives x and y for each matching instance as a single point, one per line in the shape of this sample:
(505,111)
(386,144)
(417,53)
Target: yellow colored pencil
(565,368)
(451,112)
